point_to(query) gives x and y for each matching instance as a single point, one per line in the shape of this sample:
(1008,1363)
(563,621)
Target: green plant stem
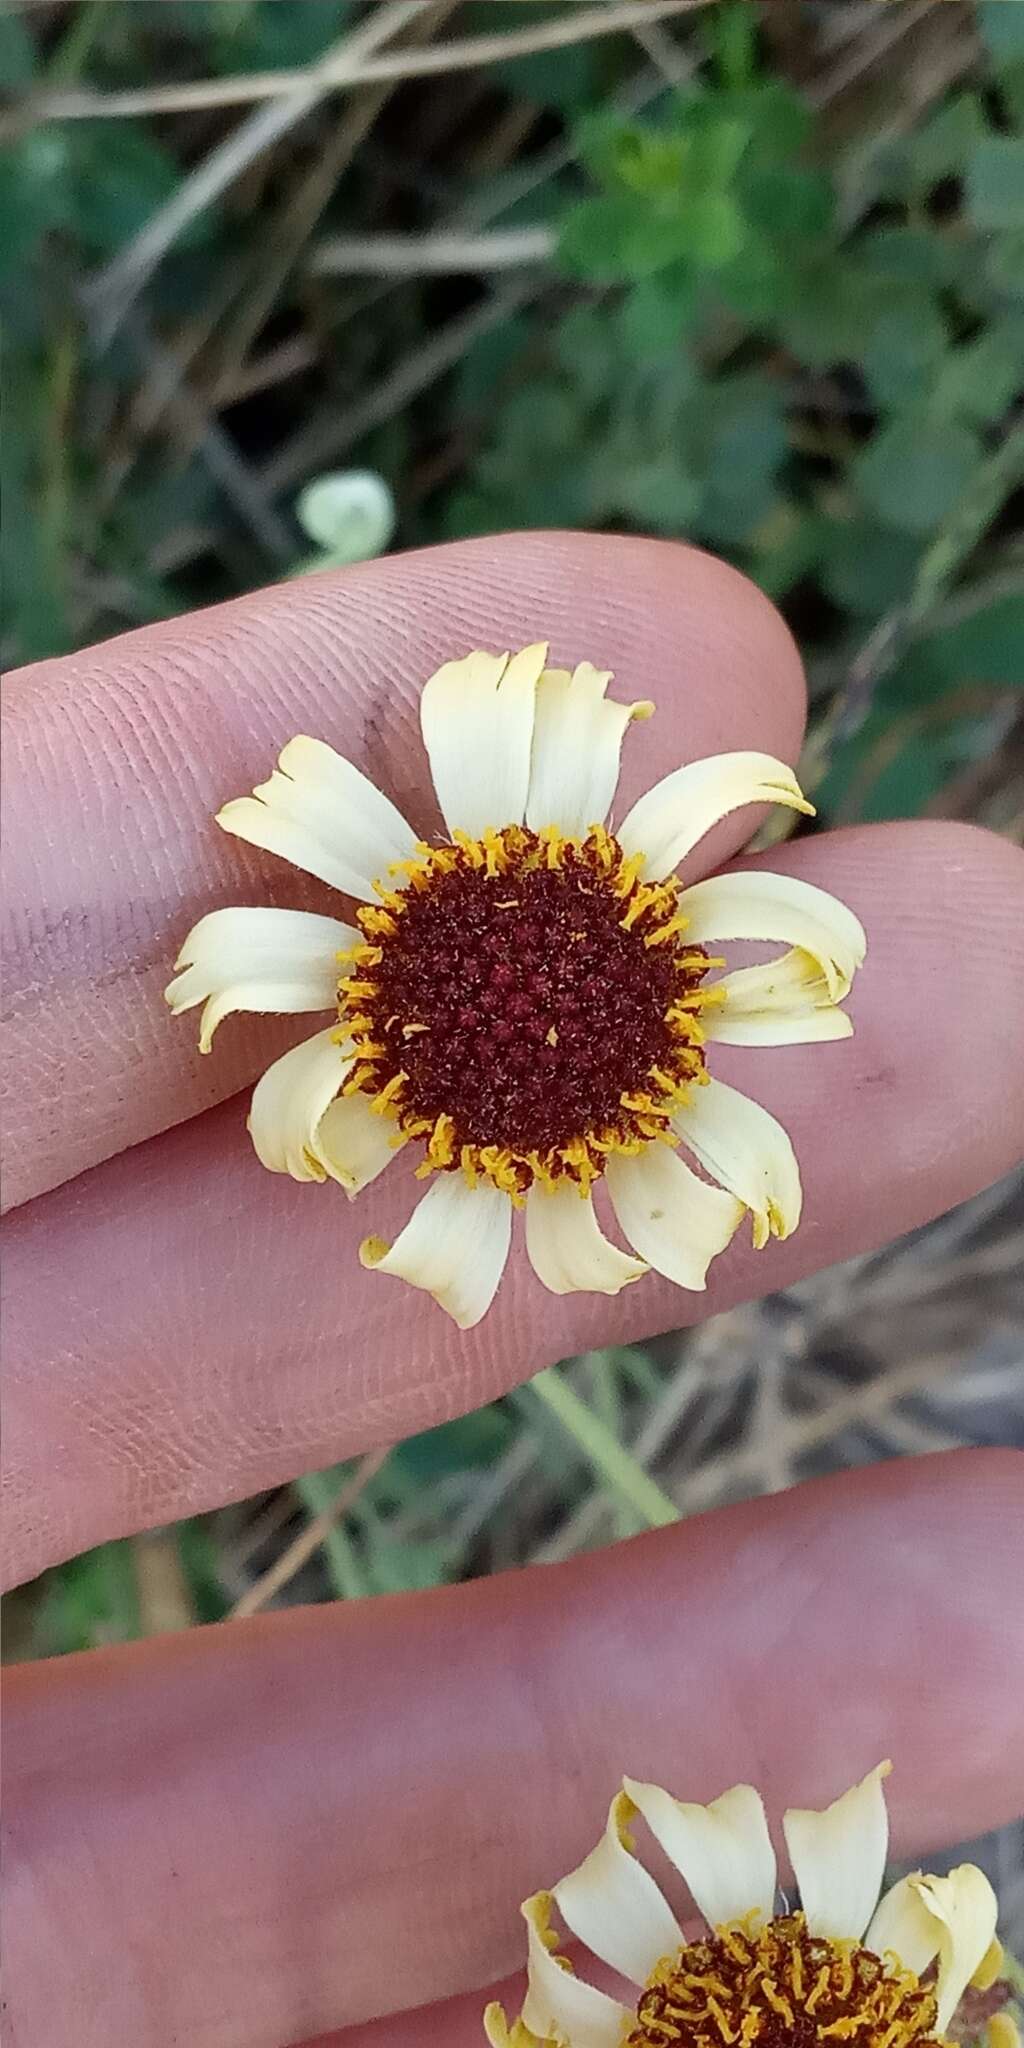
(620,1472)
(316,1490)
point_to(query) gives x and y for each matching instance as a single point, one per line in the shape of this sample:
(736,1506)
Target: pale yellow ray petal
(454,1246)
(669,820)
(670,1217)
(614,1905)
(566,1247)
(323,815)
(354,1143)
(260,960)
(477,718)
(838,1857)
(785,1001)
(746,1151)
(577,737)
(559,2004)
(290,1101)
(758,904)
(723,1850)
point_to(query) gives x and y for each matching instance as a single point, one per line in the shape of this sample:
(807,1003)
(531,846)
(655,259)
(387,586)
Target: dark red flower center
(524,996)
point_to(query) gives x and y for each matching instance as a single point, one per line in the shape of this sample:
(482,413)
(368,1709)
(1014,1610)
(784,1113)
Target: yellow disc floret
(778,1986)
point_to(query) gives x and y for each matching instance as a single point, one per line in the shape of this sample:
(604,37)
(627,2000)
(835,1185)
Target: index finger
(116,759)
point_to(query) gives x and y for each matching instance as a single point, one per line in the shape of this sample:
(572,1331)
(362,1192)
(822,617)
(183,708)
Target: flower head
(843,1968)
(530,1001)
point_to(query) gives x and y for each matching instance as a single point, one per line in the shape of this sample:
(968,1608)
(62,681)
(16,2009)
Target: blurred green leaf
(726,519)
(394,1565)
(906,783)
(582,345)
(1001,28)
(488,361)
(758,284)
(908,255)
(35,195)
(716,230)
(867,568)
(1004,264)
(1011,92)
(781,119)
(566,79)
(905,348)
(614,237)
(200,1562)
(730,37)
(649,162)
(657,312)
(748,439)
(995,183)
(981,379)
(914,471)
(17,53)
(471,1440)
(784,548)
(119,178)
(258,35)
(716,143)
(944,145)
(609,238)
(543,418)
(831,308)
(659,494)
(34,547)
(787,201)
(90,1601)
(985,647)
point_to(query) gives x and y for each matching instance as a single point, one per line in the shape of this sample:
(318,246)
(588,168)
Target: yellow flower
(528,1001)
(844,1968)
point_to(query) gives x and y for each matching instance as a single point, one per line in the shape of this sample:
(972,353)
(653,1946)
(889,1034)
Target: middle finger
(184,1329)
(309,1818)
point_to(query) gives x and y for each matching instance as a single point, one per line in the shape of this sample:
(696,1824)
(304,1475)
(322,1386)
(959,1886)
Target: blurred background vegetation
(748,272)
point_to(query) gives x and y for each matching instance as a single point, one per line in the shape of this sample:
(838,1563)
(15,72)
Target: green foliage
(90,1601)
(816,394)
(914,471)
(1001,27)
(995,182)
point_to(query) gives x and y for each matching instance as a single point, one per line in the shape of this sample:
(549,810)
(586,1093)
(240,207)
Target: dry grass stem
(309,1539)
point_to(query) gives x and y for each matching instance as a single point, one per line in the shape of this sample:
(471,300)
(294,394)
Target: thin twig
(674,64)
(299,215)
(321,441)
(342,71)
(112,290)
(309,1539)
(240,484)
(887,29)
(165,1602)
(431,254)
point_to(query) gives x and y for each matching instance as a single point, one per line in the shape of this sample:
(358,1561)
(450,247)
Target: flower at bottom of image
(846,1967)
(526,1003)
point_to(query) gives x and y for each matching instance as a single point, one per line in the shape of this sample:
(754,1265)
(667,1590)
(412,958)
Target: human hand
(219,1835)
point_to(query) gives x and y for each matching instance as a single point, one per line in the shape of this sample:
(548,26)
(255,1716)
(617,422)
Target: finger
(310,1819)
(116,760)
(242,1342)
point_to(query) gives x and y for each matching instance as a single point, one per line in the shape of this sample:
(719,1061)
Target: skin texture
(335,1812)
(256,1809)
